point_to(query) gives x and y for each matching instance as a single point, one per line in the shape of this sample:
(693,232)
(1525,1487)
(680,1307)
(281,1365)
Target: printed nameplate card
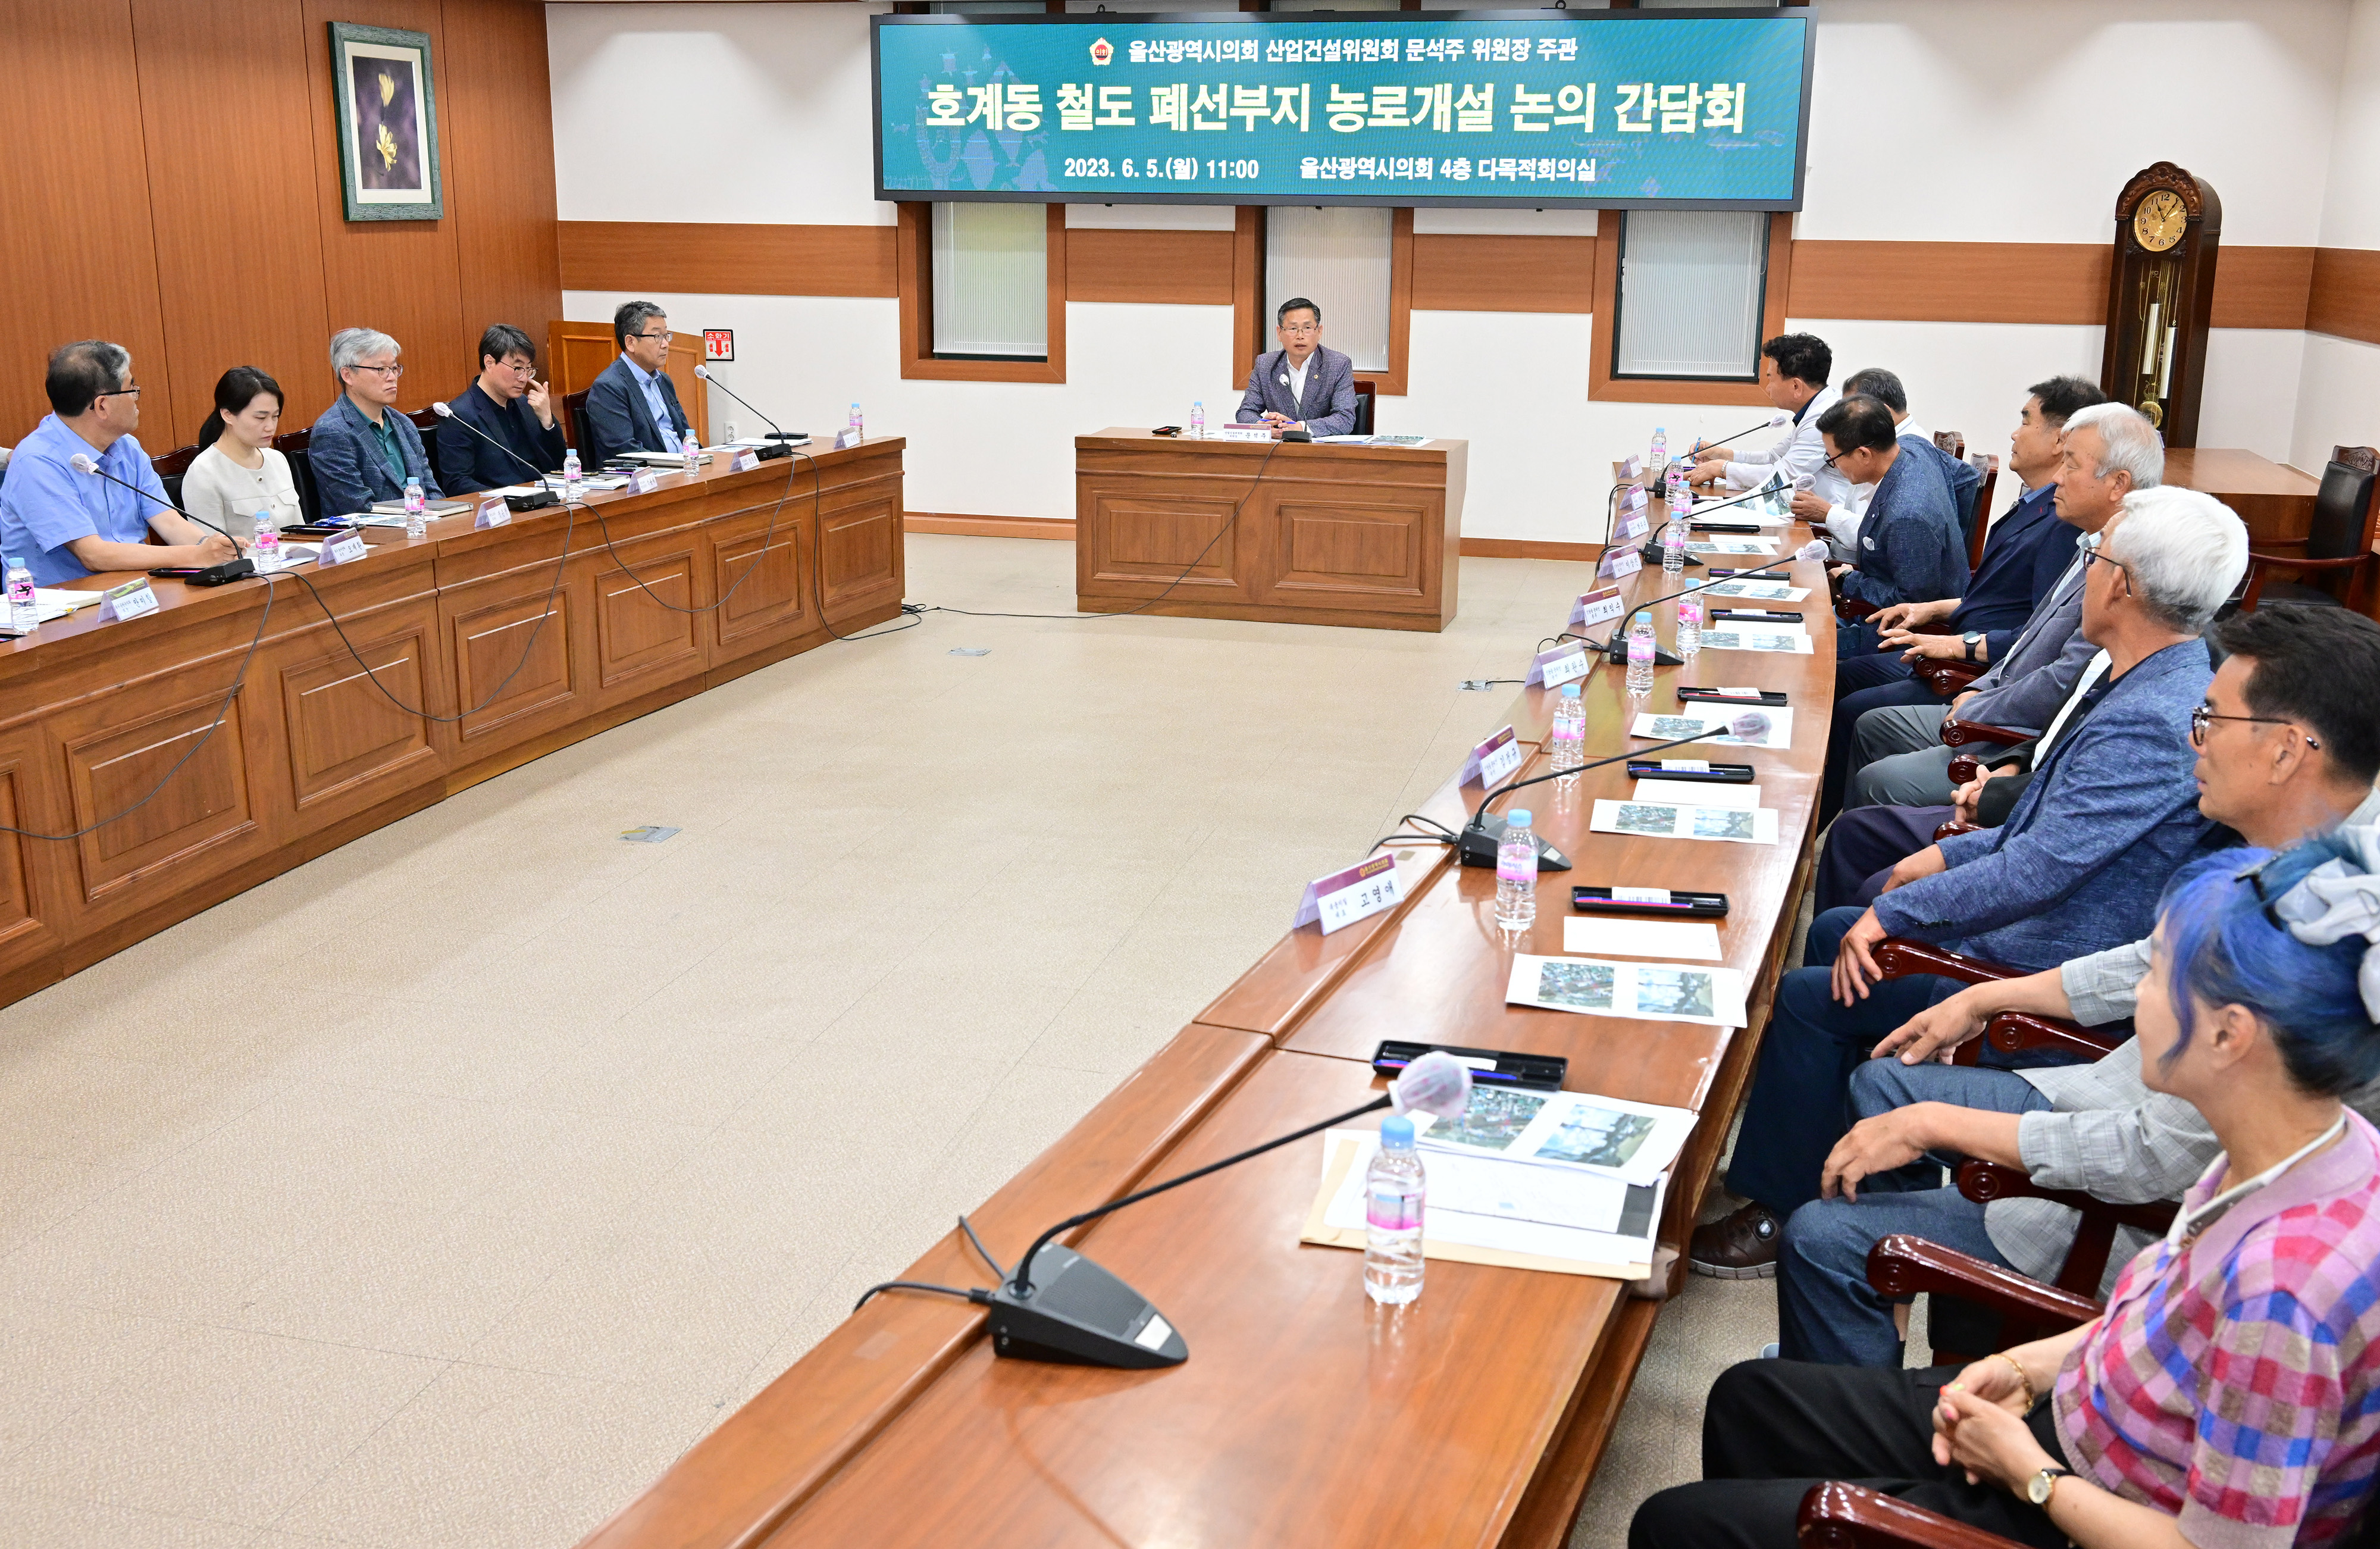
(642,481)
(1561,664)
(1619,564)
(1597,607)
(1493,759)
(1635,524)
(492,512)
(745,461)
(1636,499)
(128,601)
(1632,467)
(1343,897)
(342,550)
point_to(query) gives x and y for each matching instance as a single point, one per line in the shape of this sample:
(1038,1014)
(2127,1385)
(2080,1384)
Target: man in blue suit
(362,450)
(1909,548)
(1301,385)
(633,406)
(509,406)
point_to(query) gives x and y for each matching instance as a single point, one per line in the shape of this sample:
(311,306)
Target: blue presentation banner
(1698,109)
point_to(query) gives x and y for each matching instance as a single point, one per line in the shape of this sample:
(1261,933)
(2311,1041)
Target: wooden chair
(574,418)
(2008,1031)
(1365,393)
(2339,541)
(1979,524)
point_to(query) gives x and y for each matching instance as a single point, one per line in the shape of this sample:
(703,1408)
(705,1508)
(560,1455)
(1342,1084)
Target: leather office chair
(1978,518)
(574,415)
(301,471)
(1365,395)
(426,421)
(171,469)
(2338,541)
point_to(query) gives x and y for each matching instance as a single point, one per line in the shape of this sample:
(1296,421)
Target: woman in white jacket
(238,477)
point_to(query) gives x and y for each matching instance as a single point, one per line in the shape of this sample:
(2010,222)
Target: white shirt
(1297,377)
(1802,451)
(218,490)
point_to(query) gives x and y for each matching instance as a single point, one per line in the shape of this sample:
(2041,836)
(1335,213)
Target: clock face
(2160,220)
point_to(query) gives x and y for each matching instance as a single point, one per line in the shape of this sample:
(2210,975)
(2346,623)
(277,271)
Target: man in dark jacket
(633,406)
(508,406)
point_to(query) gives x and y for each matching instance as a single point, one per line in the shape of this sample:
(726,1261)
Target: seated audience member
(65,525)
(1794,372)
(2229,1393)
(1897,756)
(2288,750)
(632,406)
(1841,522)
(509,406)
(2109,815)
(236,475)
(1301,385)
(1910,549)
(361,449)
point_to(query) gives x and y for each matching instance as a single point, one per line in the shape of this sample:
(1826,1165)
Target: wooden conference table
(1274,532)
(1305,1415)
(310,753)
(2274,499)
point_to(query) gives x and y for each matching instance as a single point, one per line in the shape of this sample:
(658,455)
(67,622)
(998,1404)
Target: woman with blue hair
(2228,1394)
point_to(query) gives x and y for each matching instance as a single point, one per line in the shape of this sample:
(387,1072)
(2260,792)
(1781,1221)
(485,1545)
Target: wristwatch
(2042,1483)
(1974,638)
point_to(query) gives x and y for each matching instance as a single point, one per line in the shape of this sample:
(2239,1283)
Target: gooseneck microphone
(1061,1306)
(1615,648)
(774,433)
(213,574)
(544,497)
(1770,423)
(1477,844)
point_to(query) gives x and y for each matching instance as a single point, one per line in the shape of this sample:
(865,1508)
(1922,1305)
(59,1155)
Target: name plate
(1636,499)
(1685,767)
(1493,759)
(1632,466)
(1233,430)
(1640,894)
(745,461)
(343,550)
(1597,607)
(1561,664)
(128,601)
(642,481)
(1343,897)
(492,512)
(1633,526)
(1619,563)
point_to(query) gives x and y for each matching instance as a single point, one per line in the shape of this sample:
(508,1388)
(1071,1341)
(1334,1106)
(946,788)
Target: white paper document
(1641,938)
(1762,591)
(1651,992)
(1697,793)
(1732,545)
(1758,637)
(1661,728)
(1652,819)
(1482,1203)
(1562,1133)
(56,602)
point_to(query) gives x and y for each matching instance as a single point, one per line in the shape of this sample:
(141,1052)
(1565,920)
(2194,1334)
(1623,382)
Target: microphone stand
(783,437)
(231,569)
(1477,844)
(1766,424)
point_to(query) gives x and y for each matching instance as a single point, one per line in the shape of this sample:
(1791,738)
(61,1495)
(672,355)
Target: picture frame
(382,85)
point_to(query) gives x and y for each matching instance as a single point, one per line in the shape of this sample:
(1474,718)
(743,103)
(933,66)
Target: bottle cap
(1644,616)
(1518,817)
(1570,690)
(1396,1133)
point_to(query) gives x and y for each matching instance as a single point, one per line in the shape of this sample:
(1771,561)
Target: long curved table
(1305,1415)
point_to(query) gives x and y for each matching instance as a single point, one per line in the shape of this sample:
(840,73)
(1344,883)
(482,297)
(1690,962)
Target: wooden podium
(1367,536)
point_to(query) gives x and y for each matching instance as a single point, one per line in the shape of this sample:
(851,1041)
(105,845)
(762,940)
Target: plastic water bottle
(1393,1191)
(573,480)
(265,549)
(24,614)
(1199,419)
(1690,625)
(1516,873)
(1569,749)
(417,510)
(1660,457)
(1673,548)
(857,425)
(691,450)
(1640,653)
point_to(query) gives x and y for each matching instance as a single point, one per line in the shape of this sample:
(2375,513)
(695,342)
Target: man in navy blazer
(632,406)
(1301,385)
(508,406)
(361,449)
(1910,546)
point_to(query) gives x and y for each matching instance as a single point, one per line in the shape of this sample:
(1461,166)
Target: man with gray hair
(361,449)
(632,406)
(2111,812)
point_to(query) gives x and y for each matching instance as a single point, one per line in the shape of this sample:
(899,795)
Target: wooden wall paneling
(494,95)
(510,674)
(226,115)
(760,571)
(576,354)
(859,550)
(1251,330)
(2345,293)
(1956,282)
(120,749)
(402,277)
(730,260)
(1784,262)
(644,611)
(1189,268)
(76,243)
(1504,274)
(2261,287)
(345,722)
(913,238)
(693,392)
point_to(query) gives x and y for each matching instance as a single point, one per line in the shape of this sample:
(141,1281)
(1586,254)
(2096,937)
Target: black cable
(997,1267)
(1229,522)
(980,1298)
(222,711)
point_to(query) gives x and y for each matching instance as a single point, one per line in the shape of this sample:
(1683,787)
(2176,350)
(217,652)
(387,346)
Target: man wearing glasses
(362,450)
(508,405)
(65,525)
(633,406)
(1301,385)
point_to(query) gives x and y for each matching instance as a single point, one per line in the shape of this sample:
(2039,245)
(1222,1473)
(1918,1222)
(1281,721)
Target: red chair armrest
(1838,1515)
(1986,1181)
(1898,957)
(1947,678)
(1965,767)
(2014,1031)
(1850,610)
(1901,1265)
(2297,562)
(1958,734)
(1952,830)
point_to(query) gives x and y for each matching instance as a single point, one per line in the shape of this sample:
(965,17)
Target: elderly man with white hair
(362,450)
(2111,813)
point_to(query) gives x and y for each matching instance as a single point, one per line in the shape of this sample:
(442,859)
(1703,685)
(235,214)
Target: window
(992,280)
(1337,257)
(1691,295)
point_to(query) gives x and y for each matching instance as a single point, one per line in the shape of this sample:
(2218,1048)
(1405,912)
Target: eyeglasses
(2093,555)
(391,373)
(1301,327)
(663,337)
(118,393)
(2204,714)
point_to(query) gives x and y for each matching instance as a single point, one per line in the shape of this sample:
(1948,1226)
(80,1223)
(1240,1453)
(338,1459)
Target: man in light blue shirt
(633,406)
(65,525)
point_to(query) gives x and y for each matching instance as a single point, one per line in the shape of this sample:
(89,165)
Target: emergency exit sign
(719,343)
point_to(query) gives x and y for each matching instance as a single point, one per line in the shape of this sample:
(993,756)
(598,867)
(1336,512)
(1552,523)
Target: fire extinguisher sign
(719,343)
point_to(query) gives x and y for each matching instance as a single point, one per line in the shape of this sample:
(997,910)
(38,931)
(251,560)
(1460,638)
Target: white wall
(1932,120)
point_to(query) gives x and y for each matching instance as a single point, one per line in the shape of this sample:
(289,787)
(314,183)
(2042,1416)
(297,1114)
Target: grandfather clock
(2160,295)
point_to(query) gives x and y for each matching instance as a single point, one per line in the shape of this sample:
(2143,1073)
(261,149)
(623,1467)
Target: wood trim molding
(1390,384)
(1528,548)
(951,522)
(726,260)
(1952,282)
(1600,385)
(914,238)
(2261,287)
(1187,268)
(2344,293)
(1247,292)
(1504,274)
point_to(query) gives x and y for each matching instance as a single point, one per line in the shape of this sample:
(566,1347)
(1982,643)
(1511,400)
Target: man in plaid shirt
(2287,747)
